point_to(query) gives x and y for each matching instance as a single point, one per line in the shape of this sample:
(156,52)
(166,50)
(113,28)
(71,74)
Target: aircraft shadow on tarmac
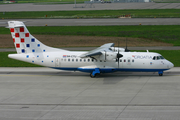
(107,75)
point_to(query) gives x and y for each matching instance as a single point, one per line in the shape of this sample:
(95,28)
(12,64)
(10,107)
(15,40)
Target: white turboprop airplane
(104,59)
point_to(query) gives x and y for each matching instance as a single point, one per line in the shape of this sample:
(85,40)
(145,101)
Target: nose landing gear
(160,73)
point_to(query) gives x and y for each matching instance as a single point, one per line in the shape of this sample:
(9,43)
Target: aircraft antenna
(126,50)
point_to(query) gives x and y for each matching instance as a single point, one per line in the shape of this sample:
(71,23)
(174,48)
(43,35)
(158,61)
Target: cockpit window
(154,58)
(161,57)
(158,57)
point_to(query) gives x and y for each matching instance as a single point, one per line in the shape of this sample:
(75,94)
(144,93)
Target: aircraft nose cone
(171,65)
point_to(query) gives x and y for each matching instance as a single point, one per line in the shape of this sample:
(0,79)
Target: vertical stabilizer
(24,42)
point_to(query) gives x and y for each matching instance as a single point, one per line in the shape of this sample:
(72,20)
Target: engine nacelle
(116,49)
(108,56)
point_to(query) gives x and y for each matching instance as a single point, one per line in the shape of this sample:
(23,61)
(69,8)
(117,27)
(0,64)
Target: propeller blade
(118,63)
(118,55)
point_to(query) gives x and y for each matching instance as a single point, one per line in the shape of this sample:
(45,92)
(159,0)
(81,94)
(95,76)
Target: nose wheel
(160,73)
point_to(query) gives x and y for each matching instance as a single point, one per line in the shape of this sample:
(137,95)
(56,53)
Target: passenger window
(84,60)
(64,59)
(76,60)
(132,60)
(100,60)
(68,59)
(92,60)
(72,60)
(88,60)
(128,60)
(80,60)
(124,60)
(120,60)
(61,59)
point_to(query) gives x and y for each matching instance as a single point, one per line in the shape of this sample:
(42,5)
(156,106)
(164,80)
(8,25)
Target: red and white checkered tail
(24,42)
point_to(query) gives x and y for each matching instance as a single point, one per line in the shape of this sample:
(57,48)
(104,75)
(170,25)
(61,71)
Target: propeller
(126,50)
(105,55)
(118,55)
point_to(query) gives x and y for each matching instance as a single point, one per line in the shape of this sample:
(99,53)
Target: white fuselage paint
(130,60)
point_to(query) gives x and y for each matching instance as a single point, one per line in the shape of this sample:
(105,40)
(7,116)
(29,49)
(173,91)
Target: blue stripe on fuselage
(108,70)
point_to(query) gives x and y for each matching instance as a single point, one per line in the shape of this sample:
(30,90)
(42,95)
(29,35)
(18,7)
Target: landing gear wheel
(161,74)
(91,75)
(95,72)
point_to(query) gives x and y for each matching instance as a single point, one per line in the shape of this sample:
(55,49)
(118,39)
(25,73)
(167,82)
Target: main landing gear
(93,76)
(160,73)
(95,73)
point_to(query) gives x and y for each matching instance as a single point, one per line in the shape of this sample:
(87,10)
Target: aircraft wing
(98,51)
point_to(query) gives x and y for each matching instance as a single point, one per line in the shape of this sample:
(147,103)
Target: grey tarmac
(96,22)
(91,48)
(99,6)
(49,94)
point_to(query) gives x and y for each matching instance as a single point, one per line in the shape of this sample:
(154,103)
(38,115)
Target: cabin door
(120,63)
(57,62)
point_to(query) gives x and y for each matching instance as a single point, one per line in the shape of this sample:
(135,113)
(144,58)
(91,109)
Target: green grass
(164,33)
(148,13)
(170,55)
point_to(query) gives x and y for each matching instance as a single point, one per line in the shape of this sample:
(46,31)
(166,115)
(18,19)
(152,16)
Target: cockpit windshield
(158,57)
(162,57)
